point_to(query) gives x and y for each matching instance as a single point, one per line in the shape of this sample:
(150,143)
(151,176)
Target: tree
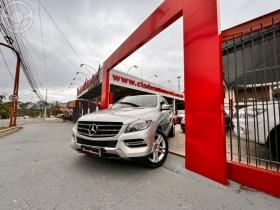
(276,94)
(5,109)
(3,96)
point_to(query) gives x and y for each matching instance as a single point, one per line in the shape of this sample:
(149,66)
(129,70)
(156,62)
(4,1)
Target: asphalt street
(39,170)
(6,122)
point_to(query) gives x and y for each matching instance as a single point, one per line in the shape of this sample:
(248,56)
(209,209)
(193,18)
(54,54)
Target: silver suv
(134,128)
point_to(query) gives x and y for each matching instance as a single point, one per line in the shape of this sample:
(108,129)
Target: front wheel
(274,142)
(159,150)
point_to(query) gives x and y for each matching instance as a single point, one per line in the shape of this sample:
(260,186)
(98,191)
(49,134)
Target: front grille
(103,129)
(111,144)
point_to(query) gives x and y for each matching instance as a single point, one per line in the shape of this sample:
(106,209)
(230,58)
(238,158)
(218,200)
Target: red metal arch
(205,151)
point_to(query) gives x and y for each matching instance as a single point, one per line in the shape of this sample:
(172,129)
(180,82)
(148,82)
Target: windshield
(181,111)
(136,101)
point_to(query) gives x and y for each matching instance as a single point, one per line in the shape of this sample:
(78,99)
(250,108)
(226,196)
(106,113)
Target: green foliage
(276,94)
(5,111)
(3,96)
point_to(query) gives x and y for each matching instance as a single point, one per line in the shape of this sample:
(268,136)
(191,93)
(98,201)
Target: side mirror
(165,107)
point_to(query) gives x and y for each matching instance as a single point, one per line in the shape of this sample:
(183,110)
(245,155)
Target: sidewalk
(176,144)
(60,178)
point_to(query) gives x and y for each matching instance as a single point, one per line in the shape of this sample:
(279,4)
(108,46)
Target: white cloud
(96,28)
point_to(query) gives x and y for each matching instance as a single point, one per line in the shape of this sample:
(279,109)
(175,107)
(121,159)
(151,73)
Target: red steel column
(88,108)
(105,87)
(111,98)
(205,130)
(96,103)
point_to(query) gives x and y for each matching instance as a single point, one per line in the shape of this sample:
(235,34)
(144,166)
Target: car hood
(125,115)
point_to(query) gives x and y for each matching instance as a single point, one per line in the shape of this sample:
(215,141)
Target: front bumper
(120,150)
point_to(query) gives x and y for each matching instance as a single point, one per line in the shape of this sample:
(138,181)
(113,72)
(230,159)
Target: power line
(46,65)
(236,9)
(18,45)
(33,64)
(43,43)
(63,35)
(56,47)
(10,71)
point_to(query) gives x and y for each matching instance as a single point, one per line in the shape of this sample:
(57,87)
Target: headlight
(138,125)
(183,120)
(75,126)
(251,113)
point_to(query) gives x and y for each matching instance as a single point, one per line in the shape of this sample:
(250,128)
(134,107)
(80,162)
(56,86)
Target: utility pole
(45,114)
(13,115)
(179,83)
(46,104)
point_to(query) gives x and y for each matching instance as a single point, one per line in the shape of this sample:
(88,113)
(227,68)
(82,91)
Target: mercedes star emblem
(92,130)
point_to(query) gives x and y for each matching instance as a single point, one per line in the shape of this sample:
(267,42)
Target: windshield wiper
(132,104)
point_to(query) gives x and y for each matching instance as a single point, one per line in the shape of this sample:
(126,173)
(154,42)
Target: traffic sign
(13,97)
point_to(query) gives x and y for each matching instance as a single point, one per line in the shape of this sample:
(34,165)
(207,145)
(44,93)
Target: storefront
(121,85)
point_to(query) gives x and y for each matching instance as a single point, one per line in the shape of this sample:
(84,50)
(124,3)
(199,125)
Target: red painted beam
(205,150)
(257,178)
(167,13)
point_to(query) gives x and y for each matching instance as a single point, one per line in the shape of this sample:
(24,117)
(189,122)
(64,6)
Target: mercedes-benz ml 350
(134,128)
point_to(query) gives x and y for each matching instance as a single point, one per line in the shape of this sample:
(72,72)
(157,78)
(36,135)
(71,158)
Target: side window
(162,100)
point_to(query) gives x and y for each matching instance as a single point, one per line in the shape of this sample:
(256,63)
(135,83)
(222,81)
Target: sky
(95,29)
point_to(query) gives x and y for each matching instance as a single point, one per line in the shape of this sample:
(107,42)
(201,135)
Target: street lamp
(152,76)
(78,72)
(131,68)
(164,82)
(78,79)
(75,84)
(88,66)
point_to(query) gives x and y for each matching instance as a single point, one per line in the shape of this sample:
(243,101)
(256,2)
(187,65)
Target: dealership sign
(89,84)
(129,81)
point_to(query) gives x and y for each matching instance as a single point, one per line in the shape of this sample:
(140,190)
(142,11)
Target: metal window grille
(251,65)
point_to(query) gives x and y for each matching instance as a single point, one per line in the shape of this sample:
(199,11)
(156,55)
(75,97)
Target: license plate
(92,151)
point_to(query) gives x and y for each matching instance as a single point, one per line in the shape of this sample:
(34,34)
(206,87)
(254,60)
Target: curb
(9,131)
(174,153)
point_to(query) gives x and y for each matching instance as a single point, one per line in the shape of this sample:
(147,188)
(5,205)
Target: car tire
(172,131)
(159,151)
(274,142)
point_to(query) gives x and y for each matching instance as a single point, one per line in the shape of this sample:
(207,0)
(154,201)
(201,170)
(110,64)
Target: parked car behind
(183,124)
(175,118)
(259,124)
(181,115)
(227,122)
(134,128)
(60,116)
